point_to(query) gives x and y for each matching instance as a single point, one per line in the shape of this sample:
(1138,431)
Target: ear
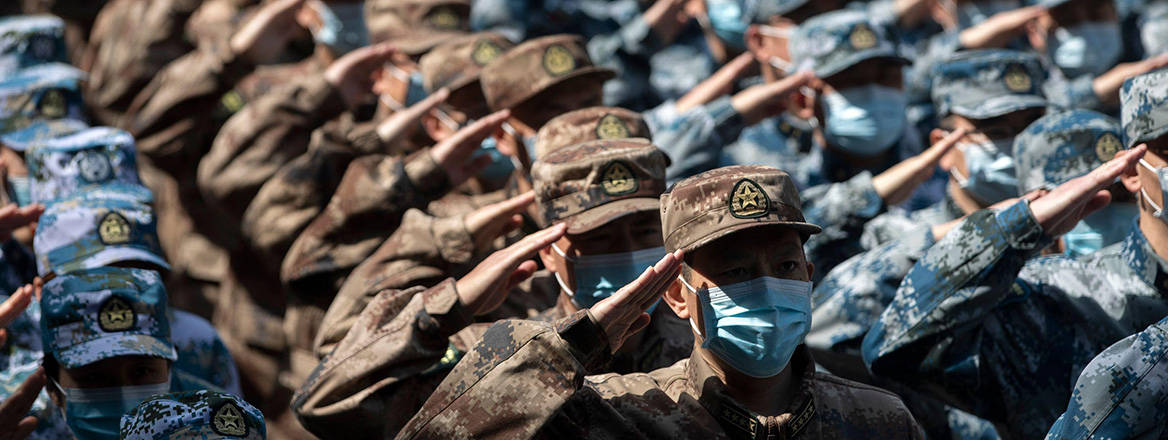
(1131,181)
(550,259)
(675,298)
(810,270)
(754,43)
(1038,30)
(434,128)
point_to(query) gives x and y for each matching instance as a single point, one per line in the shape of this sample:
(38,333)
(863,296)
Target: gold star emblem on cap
(557,60)
(862,37)
(53,104)
(1017,79)
(485,51)
(618,180)
(611,127)
(115,315)
(1106,146)
(228,420)
(748,200)
(113,229)
(444,18)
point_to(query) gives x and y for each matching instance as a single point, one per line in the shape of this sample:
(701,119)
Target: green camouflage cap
(590,184)
(456,65)
(28,40)
(983,84)
(416,26)
(1062,146)
(1145,107)
(203,414)
(535,66)
(96,314)
(589,124)
(716,203)
(829,43)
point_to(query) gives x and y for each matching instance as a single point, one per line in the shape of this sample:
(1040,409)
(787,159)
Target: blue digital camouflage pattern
(98,227)
(1122,393)
(40,131)
(100,313)
(39,93)
(201,414)
(28,40)
(1062,146)
(1145,107)
(62,166)
(983,84)
(829,43)
(20,357)
(980,326)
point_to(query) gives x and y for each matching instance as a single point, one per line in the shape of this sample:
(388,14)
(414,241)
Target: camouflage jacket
(528,379)
(981,327)
(405,341)
(1123,392)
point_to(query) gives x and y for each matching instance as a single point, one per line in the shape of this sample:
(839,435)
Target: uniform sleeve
(366,209)
(261,138)
(383,370)
(841,209)
(1122,393)
(513,383)
(693,140)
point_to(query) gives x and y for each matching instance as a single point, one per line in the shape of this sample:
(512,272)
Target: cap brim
(998,106)
(20,140)
(801,227)
(595,72)
(114,345)
(603,214)
(422,41)
(109,256)
(857,58)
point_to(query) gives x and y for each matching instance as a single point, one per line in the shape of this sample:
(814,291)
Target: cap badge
(228,420)
(1017,79)
(115,315)
(93,166)
(618,180)
(484,52)
(444,18)
(53,104)
(862,37)
(1106,147)
(748,200)
(113,229)
(611,127)
(557,60)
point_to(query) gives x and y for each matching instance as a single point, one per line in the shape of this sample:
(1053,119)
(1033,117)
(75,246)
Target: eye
(788,266)
(734,274)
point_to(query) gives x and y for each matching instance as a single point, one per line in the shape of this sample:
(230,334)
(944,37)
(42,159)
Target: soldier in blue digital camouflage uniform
(982,325)
(206,415)
(29,40)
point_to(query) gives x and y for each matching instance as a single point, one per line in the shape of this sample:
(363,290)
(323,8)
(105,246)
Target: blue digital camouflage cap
(1145,107)
(984,84)
(202,414)
(829,43)
(1062,146)
(28,40)
(61,166)
(37,94)
(768,8)
(98,227)
(101,313)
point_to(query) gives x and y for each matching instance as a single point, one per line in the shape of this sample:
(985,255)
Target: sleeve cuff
(455,243)
(324,98)
(426,176)
(1019,227)
(446,313)
(586,340)
(728,123)
(871,204)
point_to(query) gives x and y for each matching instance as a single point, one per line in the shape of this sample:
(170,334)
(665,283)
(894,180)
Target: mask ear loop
(695,292)
(560,281)
(1158,210)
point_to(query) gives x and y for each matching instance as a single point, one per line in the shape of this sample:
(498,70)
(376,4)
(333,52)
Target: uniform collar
(1137,252)
(741,423)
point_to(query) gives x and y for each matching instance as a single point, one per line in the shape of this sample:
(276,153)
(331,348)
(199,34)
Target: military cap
(711,205)
(416,26)
(100,313)
(1062,146)
(41,131)
(832,42)
(60,166)
(39,93)
(590,184)
(589,124)
(28,40)
(535,66)
(456,66)
(96,227)
(199,414)
(1145,107)
(983,84)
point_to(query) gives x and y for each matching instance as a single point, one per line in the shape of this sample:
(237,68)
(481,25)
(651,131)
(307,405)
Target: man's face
(561,98)
(1003,127)
(876,71)
(629,233)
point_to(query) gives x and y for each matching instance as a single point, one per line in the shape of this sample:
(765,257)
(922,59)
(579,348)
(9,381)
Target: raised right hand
(486,286)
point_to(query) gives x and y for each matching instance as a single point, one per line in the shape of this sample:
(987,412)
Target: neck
(1154,230)
(962,198)
(767,396)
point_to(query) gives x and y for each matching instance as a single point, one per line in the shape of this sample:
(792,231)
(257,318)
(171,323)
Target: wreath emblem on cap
(228,420)
(618,180)
(53,104)
(484,52)
(93,166)
(611,127)
(116,315)
(113,229)
(444,18)
(748,200)
(1106,146)
(862,37)
(557,60)
(1017,79)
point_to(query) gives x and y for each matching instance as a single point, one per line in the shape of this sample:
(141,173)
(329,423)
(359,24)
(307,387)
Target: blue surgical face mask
(599,276)
(1087,48)
(501,165)
(19,191)
(96,413)
(728,21)
(342,26)
(991,176)
(1102,228)
(972,13)
(1162,175)
(1154,35)
(755,325)
(865,120)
